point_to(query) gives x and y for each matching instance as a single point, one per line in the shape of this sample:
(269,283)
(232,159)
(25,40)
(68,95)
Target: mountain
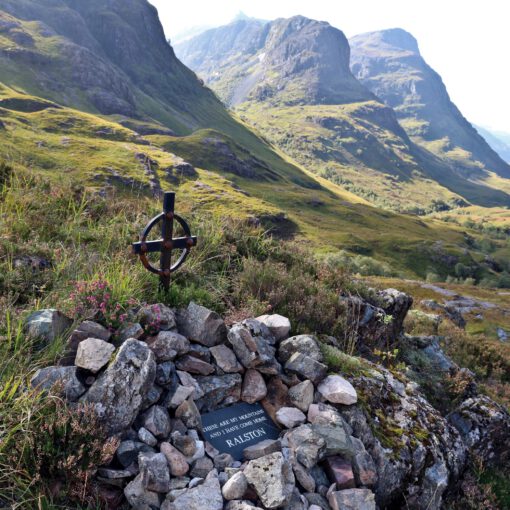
(389,63)
(498,140)
(291,79)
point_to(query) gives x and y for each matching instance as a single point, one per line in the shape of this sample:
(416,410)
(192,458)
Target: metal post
(167,231)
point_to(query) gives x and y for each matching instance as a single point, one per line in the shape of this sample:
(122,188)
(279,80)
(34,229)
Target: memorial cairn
(211,418)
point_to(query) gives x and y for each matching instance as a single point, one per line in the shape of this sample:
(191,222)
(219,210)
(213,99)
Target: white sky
(466,41)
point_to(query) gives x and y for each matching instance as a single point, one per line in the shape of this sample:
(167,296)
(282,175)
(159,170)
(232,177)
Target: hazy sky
(466,41)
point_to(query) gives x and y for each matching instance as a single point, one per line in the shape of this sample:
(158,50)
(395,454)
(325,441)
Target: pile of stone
(151,389)
(346,441)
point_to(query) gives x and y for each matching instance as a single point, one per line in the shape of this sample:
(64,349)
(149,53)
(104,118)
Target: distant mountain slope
(291,79)
(389,63)
(499,141)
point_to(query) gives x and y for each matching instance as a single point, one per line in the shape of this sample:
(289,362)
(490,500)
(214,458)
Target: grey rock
(290,417)
(139,497)
(93,354)
(155,318)
(128,451)
(119,392)
(185,444)
(222,461)
(254,387)
(154,471)
(188,413)
(134,330)
(147,437)
(320,502)
(235,487)
(306,367)
(200,351)
(202,467)
(352,499)
(205,496)
(272,479)
(157,421)
(190,382)
(296,502)
(87,329)
(178,396)
(336,436)
(277,324)
(338,390)
(305,479)
(179,482)
(47,325)
(176,460)
(301,395)
(305,344)
(194,365)
(167,345)
(165,374)
(152,396)
(219,390)
(202,325)
(61,379)
(261,449)
(308,446)
(226,359)
(241,505)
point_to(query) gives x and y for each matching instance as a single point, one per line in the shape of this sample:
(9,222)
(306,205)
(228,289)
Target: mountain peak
(394,38)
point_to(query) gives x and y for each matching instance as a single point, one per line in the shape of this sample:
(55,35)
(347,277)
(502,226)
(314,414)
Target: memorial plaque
(234,428)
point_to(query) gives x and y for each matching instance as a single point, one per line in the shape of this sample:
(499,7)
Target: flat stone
(254,387)
(337,390)
(306,367)
(180,394)
(147,437)
(157,421)
(263,448)
(93,354)
(202,325)
(139,497)
(205,496)
(340,472)
(226,359)
(188,413)
(272,478)
(301,395)
(167,345)
(305,344)
(235,487)
(47,325)
(352,499)
(119,392)
(194,365)
(290,417)
(176,460)
(277,324)
(154,471)
(63,380)
(155,318)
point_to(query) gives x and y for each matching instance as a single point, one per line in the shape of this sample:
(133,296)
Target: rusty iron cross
(167,243)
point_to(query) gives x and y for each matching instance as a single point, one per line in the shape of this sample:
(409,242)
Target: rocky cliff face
(293,61)
(389,63)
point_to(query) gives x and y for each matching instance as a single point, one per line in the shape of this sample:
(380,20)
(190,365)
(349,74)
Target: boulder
(154,471)
(337,390)
(119,392)
(167,345)
(277,324)
(93,354)
(202,325)
(263,448)
(61,379)
(226,359)
(352,499)
(272,479)
(47,325)
(306,367)
(254,388)
(306,344)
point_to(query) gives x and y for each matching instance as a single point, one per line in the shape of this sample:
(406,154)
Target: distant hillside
(389,63)
(499,141)
(291,79)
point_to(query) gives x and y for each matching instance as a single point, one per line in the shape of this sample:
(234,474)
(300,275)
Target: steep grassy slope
(290,79)
(390,65)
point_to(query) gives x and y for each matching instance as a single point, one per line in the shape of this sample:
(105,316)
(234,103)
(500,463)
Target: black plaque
(234,428)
